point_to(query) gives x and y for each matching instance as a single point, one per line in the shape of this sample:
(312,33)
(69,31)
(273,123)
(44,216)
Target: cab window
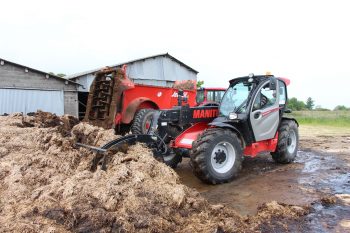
(219,95)
(210,96)
(265,98)
(282,92)
(200,96)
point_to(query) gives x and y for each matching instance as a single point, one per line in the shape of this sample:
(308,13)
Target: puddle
(332,218)
(325,173)
(304,182)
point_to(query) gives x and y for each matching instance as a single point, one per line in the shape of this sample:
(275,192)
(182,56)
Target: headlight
(232,116)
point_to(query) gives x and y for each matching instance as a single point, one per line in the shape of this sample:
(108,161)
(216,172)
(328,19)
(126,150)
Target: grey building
(24,89)
(158,70)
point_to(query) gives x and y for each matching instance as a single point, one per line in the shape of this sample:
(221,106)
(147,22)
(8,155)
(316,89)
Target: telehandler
(249,120)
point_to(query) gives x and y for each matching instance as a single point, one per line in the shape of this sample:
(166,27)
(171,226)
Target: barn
(25,89)
(158,70)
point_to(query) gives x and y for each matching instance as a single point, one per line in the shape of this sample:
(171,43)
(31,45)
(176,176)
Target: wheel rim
(223,157)
(292,142)
(147,124)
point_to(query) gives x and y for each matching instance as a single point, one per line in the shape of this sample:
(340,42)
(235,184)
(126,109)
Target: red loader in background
(114,101)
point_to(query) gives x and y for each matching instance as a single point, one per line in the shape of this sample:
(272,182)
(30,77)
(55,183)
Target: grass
(326,118)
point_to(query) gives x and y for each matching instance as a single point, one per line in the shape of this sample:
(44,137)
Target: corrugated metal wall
(159,68)
(23,100)
(159,71)
(159,83)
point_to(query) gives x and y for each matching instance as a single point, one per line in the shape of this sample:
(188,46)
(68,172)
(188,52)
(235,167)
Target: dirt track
(320,173)
(48,185)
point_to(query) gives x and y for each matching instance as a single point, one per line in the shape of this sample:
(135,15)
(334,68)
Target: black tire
(141,117)
(285,151)
(203,163)
(122,129)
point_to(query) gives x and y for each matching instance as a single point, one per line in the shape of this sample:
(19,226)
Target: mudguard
(129,113)
(225,125)
(290,118)
(186,138)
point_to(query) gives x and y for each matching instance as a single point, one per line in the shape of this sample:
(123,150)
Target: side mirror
(287,110)
(273,83)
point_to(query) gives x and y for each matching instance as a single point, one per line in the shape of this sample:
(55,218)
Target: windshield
(235,98)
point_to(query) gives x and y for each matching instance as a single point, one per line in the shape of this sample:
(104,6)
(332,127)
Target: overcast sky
(306,41)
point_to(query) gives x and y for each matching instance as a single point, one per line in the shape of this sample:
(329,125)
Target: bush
(341,108)
(296,105)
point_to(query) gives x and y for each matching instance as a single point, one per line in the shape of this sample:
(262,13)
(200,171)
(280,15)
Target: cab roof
(262,78)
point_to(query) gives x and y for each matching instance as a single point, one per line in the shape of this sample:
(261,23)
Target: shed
(157,70)
(25,89)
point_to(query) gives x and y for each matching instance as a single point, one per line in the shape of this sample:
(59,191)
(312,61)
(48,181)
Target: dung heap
(47,185)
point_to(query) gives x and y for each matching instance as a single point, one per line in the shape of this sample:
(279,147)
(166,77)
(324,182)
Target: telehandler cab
(249,120)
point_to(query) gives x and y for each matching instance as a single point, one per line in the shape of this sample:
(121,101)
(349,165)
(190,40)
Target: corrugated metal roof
(132,61)
(38,71)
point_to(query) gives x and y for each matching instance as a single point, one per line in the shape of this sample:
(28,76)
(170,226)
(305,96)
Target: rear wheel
(142,121)
(216,156)
(288,142)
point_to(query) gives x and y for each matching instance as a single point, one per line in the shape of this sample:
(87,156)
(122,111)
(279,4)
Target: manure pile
(46,185)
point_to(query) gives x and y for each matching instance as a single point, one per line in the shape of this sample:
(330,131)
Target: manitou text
(207,113)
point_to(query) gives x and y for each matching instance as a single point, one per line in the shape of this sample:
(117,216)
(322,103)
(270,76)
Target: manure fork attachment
(152,141)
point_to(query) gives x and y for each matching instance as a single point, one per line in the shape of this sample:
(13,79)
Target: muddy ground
(320,177)
(47,184)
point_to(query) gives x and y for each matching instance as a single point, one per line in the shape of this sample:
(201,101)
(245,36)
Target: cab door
(264,115)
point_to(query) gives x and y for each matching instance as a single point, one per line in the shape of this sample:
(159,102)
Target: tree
(320,108)
(296,105)
(341,108)
(200,83)
(310,103)
(59,74)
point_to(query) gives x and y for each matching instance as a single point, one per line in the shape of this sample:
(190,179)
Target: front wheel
(288,142)
(216,156)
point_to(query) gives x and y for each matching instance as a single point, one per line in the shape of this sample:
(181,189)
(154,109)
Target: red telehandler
(249,120)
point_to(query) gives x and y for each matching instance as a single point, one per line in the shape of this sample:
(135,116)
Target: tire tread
(198,155)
